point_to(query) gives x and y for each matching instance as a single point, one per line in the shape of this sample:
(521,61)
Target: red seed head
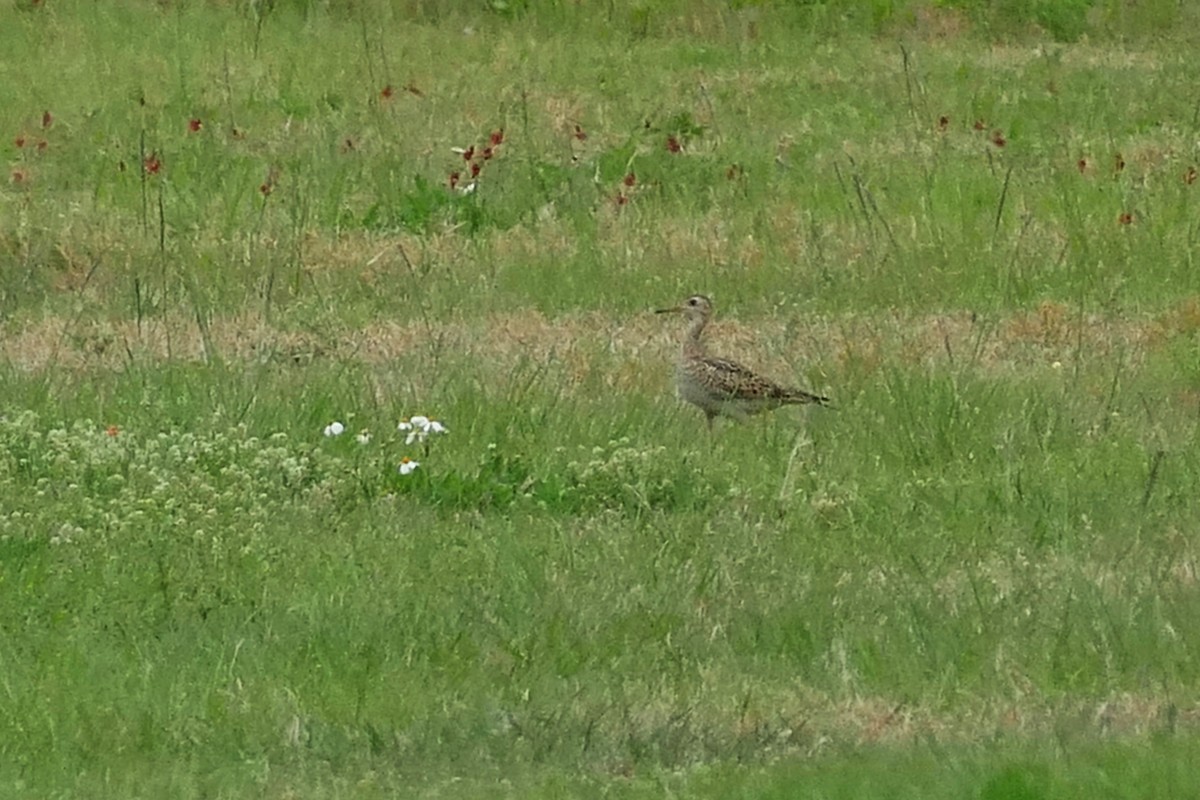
(19,176)
(620,199)
(475,169)
(998,138)
(1125,219)
(629,180)
(265,188)
(47,119)
(487,153)
(152,165)
(980,125)
(1082,164)
(386,92)
(580,133)
(19,141)
(1189,177)
(194,125)
(497,137)
(673,145)
(469,153)
(112,430)
(943,122)
(454,177)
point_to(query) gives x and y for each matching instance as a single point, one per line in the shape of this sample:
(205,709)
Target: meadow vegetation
(224,227)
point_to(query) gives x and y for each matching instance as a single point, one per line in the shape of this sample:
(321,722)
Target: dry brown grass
(802,721)
(644,343)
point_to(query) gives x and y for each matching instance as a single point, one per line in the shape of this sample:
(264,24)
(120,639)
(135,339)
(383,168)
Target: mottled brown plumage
(718,386)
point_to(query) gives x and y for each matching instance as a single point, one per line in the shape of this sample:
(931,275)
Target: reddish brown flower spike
(266,188)
(194,125)
(19,176)
(19,141)
(673,145)
(629,180)
(980,125)
(42,145)
(621,199)
(152,165)
(497,137)
(386,92)
(469,153)
(112,430)
(1082,164)
(580,133)
(1119,163)
(47,119)
(1125,219)
(998,138)
(454,177)
(943,122)
(1189,177)
(475,169)
(487,153)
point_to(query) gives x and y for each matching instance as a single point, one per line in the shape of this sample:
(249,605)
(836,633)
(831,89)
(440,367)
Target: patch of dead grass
(801,721)
(634,350)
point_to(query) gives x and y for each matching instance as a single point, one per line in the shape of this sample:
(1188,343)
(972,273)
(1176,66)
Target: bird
(718,386)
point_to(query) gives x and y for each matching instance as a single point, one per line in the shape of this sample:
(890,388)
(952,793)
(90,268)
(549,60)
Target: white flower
(335,428)
(419,427)
(364,437)
(407,465)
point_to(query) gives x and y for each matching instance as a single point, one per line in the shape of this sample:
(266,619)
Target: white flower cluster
(419,428)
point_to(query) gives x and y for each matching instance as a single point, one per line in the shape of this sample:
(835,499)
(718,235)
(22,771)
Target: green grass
(976,576)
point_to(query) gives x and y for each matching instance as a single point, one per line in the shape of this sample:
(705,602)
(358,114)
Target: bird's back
(721,386)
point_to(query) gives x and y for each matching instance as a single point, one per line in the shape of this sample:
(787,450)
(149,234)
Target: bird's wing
(737,381)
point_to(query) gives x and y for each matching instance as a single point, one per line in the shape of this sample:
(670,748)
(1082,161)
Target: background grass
(224,227)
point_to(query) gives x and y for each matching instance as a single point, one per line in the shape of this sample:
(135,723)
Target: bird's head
(695,307)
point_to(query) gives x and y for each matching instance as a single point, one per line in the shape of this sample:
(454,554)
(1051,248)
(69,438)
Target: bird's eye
(692,301)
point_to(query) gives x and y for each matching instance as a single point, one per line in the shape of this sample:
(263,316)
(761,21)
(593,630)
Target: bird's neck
(692,343)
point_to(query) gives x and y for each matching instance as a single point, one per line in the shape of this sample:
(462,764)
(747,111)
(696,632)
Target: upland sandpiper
(718,386)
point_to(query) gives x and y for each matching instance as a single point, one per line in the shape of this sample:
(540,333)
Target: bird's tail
(801,397)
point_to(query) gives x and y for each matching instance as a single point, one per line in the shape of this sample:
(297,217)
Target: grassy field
(224,227)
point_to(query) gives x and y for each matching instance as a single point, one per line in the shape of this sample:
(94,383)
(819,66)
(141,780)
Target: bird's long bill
(666,310)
